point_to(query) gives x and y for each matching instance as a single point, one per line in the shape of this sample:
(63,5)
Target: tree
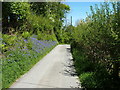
(15,12)
(55,11)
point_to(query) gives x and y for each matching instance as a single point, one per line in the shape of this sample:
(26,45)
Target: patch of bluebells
(21,58)
(40,46)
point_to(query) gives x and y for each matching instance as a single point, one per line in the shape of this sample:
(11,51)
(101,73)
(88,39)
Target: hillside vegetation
(30,31)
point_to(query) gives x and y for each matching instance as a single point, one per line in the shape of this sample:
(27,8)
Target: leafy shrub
(26,35)
(96,41)
(8,41)
(45,36)
(38,23)
(82,63)
(87,80)
(102,77)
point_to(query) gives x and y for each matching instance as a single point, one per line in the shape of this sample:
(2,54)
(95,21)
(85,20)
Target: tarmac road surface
(55,70)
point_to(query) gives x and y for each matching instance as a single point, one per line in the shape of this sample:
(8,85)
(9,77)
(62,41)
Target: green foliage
(14,15)
(21,9)
(65,35)
(87,80)
(8,41)
(39,8)
(82,63)
(26,35)
(19,59)
(96,41)
(33,17)
(23,24)
(38,23)
(46,36)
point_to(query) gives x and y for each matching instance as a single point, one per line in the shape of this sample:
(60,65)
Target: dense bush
(95,45)
(46,36)
(87,80)
(26,35)
(82,63)
(65,34)
(22,56)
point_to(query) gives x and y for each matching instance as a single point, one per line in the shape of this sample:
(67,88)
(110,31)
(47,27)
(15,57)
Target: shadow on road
(69,66)
(68,49)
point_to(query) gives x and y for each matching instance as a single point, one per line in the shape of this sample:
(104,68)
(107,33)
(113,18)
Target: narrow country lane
(55,70)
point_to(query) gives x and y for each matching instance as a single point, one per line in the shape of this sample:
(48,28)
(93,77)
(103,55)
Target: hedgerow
(95,47)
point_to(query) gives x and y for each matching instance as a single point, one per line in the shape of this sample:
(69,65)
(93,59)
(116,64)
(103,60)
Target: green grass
(10,78)
(21,56)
